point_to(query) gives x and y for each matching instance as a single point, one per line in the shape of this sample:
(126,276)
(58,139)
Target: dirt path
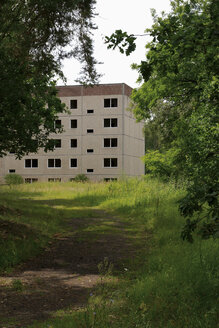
(64,274)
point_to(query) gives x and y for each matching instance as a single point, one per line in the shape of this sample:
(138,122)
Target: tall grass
(169,283)
(38,211)
(179,284)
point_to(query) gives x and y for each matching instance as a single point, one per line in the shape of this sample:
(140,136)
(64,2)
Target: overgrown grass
(36,212)
(170,283)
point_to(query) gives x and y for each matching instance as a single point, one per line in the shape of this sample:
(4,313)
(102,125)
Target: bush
(81,178)
(162,164)
(13,179)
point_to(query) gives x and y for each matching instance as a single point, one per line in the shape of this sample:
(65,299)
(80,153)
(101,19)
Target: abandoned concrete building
(101,139)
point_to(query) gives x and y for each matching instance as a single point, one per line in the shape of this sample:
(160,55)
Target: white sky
(130,16)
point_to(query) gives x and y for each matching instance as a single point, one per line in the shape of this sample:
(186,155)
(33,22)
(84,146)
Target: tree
(35,35)
(181,70)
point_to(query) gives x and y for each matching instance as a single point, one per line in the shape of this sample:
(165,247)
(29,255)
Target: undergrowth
(170,283)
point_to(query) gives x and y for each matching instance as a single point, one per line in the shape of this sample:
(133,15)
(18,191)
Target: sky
(130,16)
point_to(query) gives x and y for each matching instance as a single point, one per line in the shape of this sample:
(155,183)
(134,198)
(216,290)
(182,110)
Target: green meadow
(169,283)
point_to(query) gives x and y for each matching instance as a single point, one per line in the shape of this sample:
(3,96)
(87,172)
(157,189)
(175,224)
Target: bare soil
(64,274)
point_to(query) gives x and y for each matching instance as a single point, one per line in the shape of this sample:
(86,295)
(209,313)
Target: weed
(105,268)
(13,179)
(17,285)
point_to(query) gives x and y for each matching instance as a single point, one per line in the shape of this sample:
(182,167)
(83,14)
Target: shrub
(13,179)
(81,178)
(162,164)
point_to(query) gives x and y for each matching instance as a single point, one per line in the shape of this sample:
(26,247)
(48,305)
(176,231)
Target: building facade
(101,139)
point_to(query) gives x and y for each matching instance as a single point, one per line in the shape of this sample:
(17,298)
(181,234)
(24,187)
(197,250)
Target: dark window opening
(74,124)
(90,170)
(31,163)
(74,162)
(113,162)
(106,142)
(106,102)
(27,162)
(90,111)
(114,142)
(57,143)
(30,180)
(114,102)
(11,171)
(110,162)
(106,162)
(58,124)
(110,102)
(106,122)
(90,131)
(54,179)
(110,179)
(73,104)
(34,162)
(110,122)
(110,142)
(90,150)
(54,162)
(114,122)
(74,143)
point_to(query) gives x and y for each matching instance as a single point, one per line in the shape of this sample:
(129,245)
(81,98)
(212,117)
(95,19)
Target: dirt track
(64,273)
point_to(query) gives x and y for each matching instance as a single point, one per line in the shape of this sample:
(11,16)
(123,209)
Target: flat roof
(96,90)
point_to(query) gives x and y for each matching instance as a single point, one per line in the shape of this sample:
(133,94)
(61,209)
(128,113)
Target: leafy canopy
(181,78)
(35,35)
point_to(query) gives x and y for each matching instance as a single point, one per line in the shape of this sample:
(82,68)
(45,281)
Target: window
(57,143)
(73,104)
(90,111)
(90,150)
(74,124)
(30,180)
(110,142)
(110,162)
(73,162)
(54,179)
(74,143)
(110,122)
(110,179)
(31,163)
(58,124)
(90,170)
(110,102)
(90,131)
(54,162)
(11,171)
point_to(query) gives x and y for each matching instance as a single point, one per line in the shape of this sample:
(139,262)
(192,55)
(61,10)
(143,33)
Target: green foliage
(81,178)
(179,101)
(162,164)
(180,77)
(120,39)
(34,36)
(200,145)
(13,179)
